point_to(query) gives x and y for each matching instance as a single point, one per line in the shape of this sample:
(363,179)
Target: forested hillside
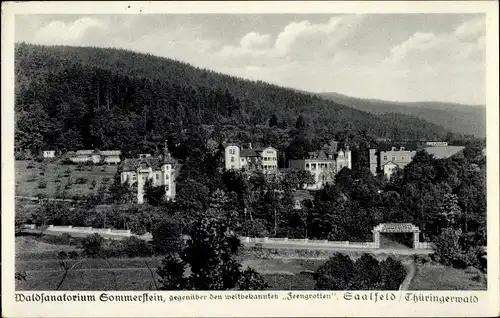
(458,118)
(82,97)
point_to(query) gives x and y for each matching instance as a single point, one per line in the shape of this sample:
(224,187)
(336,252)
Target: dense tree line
(72,98)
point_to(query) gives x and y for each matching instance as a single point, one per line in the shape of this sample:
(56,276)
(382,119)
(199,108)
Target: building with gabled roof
(263,159)
(324,164)
(96,156)
(160,170)
(387,158)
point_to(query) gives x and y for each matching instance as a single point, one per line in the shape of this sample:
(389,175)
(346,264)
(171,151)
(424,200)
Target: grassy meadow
(55,180)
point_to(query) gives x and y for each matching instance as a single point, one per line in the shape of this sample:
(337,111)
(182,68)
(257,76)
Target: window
(167,187)
(403,158)
(393,158)
(232,166)
(133,178)
(409,158)
(313,166)
(307,166)
(232,159)
(157,176)
(232,151)
(242,159)
(385,158)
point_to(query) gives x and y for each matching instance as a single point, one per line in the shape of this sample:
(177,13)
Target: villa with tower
(160,170)
(324,164)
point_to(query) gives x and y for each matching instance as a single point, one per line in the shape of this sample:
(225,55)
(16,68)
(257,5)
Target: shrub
(93,184)
(67,172)
(393,273)
(166,237)
(448,248)
(66,238)
(367,274)
(335,274)
(32,177)
(81,180)
(105,180)
(66,161)
(251,280)
(73,255)
(135,247)
(93,245)
(42,184)
(41,196)
(421,259)
(62,255)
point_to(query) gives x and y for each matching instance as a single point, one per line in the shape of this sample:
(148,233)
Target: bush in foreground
(93,246)
(340,273)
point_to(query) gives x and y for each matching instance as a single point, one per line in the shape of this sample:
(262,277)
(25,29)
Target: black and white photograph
(250,152)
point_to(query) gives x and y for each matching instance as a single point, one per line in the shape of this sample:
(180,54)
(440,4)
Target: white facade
(96,156)
(49,153)
(163,175)
(269,161)
(324,164)
(265,159)
(344,159)
(232,157)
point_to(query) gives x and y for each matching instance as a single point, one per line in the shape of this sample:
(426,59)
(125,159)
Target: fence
(248,240)
(307,242)
(89,230)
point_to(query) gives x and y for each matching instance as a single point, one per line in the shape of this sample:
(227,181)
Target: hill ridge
(93,94)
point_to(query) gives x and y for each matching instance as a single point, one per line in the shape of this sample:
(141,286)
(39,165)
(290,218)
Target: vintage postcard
(250,159)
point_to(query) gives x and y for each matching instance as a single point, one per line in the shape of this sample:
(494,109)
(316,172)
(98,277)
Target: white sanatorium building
(96,156)
(160,170)
(385,159)
(264,159)
(324,164)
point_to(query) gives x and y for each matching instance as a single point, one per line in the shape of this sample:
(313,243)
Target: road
(409,276)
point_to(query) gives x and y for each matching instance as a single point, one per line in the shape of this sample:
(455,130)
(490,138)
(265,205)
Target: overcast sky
(400,57)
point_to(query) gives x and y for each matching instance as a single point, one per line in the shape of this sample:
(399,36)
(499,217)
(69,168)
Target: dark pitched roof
(250,153)
(154,162)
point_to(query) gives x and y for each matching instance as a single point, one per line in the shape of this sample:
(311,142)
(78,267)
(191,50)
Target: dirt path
(411,273)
